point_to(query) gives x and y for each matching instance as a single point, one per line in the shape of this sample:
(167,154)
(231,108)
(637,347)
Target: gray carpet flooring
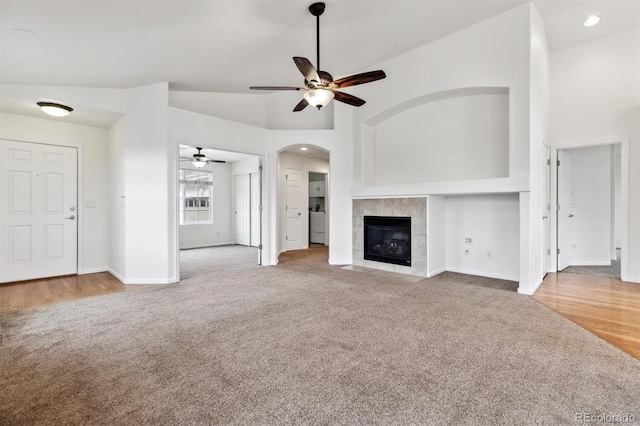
(612,271)
(307,343)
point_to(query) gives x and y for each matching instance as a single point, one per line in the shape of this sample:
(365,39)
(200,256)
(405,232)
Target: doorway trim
(624,191)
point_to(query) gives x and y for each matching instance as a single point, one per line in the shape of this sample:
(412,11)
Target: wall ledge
(421,189)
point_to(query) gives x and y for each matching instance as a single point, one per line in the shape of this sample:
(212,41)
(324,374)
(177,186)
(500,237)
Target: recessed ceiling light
(304,148)
(591,21)
(57,110)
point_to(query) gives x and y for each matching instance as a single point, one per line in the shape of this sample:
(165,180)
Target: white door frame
(80,206)
(624,191)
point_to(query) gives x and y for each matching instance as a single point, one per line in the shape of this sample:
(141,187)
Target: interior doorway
(590,210)
(304,200)
(318,205)
(219,201)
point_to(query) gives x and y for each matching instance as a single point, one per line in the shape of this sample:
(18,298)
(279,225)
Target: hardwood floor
(29,294)
(607,307)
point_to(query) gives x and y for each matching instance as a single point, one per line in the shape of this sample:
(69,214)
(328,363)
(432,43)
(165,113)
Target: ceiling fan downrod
(316,10)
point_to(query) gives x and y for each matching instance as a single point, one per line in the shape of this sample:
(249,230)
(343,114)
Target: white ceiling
(226,46)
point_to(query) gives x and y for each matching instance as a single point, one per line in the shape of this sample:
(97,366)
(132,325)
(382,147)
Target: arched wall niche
(452,135)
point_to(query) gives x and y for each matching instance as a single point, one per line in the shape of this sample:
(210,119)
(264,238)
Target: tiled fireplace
(386,215)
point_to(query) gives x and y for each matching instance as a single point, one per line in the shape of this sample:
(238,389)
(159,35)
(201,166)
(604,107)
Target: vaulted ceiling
(226,46)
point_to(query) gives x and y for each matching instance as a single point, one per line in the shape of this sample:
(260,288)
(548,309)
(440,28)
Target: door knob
(544,217)
(72,217)
(570,215)
(299,213)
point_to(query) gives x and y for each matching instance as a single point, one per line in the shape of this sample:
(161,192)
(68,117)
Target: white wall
(242,108)
(491,54)
(261,109)
(93,177)
(492,221)
(117,217)
(220,231)
(591,205)
(436,235)
(595,98)
(459,138)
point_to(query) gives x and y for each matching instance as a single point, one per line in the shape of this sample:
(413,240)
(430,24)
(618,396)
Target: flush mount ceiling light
(591,21)
(319,86)
(304,148)
(54,109)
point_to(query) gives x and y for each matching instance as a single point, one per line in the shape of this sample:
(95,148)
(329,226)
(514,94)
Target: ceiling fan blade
(348,99)
(275,88)
(215,161)
(301,105)
(354,80)
(307,69)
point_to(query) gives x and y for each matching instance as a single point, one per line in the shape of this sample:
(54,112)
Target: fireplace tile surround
(416,208)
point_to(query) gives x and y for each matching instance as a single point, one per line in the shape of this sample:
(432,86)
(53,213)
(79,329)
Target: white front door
(295,219)
(255,209)
(565,224)
(242,209)
(38,211)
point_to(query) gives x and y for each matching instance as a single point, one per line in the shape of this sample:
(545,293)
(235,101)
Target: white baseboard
(142,281)
(635,280)
(436,272)
(528,291)
(117,275)
(594,263)
(339,262)
(206,245)
(482,274)
(151,281)
(93,270)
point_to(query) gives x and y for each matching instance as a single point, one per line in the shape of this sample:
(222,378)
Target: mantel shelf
(476,186)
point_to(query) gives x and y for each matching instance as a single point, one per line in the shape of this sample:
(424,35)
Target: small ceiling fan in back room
(320,87)
(199,160)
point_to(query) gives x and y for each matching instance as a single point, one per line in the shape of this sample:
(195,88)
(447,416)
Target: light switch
(90,204)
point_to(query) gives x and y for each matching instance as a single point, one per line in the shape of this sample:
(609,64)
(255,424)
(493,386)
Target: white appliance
(317,227)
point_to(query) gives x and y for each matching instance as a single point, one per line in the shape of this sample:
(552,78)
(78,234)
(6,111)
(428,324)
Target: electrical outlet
(575,246)
(468,240)
(489,254)
(467,251)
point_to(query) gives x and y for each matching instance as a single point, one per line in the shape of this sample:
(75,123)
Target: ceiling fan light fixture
(318,97)
(54,109)
(199,164)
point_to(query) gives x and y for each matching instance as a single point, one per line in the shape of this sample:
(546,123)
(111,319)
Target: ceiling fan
(199,160)
(320,87)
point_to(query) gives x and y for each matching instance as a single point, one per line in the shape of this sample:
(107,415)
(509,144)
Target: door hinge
(259,246)
(548,252)
(260,207)
(548,162)
(286,177)
(558,251)
(558,162)
(286,237)
(260,168)
(558,207)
